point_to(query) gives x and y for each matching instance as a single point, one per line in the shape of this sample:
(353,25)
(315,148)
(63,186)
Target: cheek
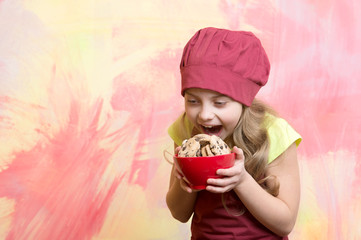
(191,114)
(232,123)
(233,119)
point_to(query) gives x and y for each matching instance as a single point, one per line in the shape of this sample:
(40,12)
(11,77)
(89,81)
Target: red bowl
(197,170)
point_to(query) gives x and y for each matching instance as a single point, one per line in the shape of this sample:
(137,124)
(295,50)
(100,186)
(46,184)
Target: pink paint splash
(315,79)
(315,62)
(149,115)
(233,12)
(319,80)
(55,184)
(260,16)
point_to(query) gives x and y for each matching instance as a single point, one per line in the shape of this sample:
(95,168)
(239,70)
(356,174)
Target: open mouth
(212,130)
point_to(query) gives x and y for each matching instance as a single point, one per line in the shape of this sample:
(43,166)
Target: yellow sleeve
(180,130)
(281,135)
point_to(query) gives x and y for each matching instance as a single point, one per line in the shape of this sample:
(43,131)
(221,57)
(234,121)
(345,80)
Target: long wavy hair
(251,136)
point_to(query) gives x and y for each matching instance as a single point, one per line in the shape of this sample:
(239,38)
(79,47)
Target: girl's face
(211,112)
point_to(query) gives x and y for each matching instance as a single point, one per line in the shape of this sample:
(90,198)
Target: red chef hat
(233,63)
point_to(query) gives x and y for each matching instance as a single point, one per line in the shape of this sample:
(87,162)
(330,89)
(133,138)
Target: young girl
(258,197)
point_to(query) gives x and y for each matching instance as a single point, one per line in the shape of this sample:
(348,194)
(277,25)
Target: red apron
(212,221)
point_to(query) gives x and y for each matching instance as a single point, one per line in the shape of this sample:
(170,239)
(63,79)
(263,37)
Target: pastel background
(88,88)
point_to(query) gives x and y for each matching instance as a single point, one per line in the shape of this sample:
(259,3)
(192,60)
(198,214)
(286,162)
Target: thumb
(238,152)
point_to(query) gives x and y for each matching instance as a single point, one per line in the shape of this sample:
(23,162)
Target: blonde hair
(251,136)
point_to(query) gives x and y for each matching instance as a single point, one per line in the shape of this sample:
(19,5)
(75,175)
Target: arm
(276,213)
(180,197)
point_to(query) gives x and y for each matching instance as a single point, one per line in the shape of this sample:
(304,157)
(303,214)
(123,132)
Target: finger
(177,174)
(177,149)
(185,186)
(226,172)
(232,171)
(221,182)
(218,185)
(215,189)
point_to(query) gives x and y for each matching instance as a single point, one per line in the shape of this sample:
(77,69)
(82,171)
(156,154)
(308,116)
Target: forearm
(180,202)
(271,211)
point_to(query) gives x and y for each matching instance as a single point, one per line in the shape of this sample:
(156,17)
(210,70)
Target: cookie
(218,146)
(189,148)
(206,151)
(202,145)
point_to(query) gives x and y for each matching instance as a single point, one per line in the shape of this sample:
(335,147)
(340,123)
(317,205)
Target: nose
(206,113)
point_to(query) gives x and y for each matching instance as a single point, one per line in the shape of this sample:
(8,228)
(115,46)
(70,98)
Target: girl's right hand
(182,180)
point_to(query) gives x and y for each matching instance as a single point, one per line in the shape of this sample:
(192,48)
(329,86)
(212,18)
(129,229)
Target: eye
(192,101)
(219,103)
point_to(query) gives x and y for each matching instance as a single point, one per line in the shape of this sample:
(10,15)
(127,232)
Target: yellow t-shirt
(281,135)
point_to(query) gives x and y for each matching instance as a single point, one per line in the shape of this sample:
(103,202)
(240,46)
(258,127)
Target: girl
(258,197)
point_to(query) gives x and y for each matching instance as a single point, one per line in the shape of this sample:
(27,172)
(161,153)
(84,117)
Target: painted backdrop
(88,88)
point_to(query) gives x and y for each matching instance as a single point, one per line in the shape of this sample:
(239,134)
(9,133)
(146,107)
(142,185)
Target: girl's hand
(182,180)
(231,176)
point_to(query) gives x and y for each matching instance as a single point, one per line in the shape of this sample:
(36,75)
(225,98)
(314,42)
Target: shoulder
(281,135)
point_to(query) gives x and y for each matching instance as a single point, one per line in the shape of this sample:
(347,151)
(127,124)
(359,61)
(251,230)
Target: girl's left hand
(232,176)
